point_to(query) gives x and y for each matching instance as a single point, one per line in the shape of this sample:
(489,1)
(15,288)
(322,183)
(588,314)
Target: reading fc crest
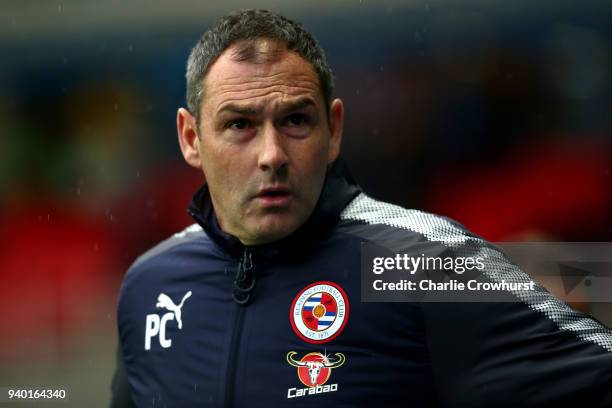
(319,312)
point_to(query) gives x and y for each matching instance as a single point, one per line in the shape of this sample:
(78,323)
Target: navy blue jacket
(207,322)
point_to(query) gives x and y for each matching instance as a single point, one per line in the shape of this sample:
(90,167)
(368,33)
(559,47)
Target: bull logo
(314,369)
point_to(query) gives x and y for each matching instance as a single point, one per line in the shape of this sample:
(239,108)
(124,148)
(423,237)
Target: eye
(239,124)
(297,119)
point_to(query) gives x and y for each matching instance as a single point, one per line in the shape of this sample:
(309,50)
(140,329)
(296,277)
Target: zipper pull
(244,282)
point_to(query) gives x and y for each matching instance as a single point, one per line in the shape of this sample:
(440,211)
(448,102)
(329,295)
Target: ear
(336,125)
(188,137)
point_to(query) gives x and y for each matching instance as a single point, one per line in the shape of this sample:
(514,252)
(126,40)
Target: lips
(275,196)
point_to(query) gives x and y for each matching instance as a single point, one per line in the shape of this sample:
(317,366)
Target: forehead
(285,77)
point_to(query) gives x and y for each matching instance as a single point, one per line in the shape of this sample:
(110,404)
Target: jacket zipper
(243,285)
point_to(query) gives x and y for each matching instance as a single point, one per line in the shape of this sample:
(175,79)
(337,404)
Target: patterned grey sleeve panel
(364,209)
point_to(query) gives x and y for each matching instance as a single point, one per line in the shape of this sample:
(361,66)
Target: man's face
(264,144)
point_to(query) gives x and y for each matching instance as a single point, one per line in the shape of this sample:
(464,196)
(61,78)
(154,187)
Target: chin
(274,230)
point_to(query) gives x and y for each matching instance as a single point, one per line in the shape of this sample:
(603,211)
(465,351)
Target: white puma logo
(164,301)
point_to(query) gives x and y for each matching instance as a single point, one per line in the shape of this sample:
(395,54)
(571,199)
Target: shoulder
(186,236)
(181,248)
(374,219)
(180,258)
(400,229)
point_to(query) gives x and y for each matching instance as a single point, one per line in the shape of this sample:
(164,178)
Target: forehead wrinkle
(246,92)
(261,91)
(277,99)
(304,83)
(238,79)
(226,79)
(232,95)
(223,89)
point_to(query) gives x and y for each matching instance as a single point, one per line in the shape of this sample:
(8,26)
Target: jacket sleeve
(121,396)
(534,351)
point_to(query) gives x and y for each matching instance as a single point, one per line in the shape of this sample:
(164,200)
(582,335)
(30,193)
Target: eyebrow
(233,108)
(298,104)
(250,110)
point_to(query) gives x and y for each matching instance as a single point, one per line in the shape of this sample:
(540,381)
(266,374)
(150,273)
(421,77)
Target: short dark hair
(250,26)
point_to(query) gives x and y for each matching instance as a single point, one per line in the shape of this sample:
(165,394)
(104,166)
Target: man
(259,303)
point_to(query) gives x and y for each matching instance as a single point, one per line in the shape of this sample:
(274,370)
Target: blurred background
(495,113)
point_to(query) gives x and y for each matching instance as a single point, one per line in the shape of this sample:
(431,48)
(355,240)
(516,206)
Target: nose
(272,155)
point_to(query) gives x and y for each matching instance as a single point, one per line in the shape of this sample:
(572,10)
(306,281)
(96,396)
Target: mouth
(274,196)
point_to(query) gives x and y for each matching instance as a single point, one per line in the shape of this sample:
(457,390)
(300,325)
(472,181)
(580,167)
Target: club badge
(319,312)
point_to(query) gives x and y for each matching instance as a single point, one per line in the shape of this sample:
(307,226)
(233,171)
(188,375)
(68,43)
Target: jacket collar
(338,190)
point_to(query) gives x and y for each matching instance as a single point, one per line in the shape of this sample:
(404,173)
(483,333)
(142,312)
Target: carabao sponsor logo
(314,370)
